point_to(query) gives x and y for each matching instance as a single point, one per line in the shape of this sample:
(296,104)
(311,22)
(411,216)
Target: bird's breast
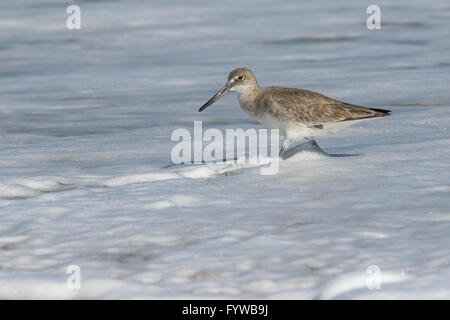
(271,121)
(248,106)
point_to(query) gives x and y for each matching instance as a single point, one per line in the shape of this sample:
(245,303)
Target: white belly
(295,131)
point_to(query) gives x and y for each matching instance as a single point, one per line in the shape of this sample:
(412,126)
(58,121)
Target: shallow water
(85,172)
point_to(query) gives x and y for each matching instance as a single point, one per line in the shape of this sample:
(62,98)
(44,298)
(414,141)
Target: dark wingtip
(382,112)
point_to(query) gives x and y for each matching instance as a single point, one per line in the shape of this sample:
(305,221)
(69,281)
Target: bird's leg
(315,144)
(286,144)
(312,141)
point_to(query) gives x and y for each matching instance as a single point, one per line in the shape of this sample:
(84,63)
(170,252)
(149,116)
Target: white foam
(85,148)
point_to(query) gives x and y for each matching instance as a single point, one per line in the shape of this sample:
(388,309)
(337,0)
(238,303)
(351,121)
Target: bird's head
(241,80)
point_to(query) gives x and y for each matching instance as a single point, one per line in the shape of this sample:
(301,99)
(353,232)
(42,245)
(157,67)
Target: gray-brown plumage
(308,107)
(297,113)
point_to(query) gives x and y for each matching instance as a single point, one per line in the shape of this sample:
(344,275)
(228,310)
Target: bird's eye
(240,78)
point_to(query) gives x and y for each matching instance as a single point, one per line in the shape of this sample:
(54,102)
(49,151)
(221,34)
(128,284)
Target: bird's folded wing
(312,108)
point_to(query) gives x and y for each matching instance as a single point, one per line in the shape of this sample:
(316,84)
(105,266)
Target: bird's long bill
(216,97)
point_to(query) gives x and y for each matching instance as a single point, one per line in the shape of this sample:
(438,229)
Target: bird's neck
(246,96)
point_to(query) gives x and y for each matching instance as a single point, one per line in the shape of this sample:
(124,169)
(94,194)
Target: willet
(297,113)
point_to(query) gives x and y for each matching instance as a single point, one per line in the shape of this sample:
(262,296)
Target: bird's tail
(381,112)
